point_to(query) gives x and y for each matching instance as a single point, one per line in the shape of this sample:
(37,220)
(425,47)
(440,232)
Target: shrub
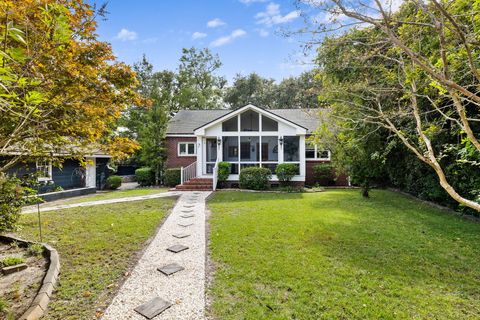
(35,249)
(255,178)
(113,182)
(172,177)
(11,261)
(285,172)
(324,174)
(145,176)
(12,197)
(223,171)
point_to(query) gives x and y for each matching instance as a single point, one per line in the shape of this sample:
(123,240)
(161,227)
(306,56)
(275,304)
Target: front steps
(196,184)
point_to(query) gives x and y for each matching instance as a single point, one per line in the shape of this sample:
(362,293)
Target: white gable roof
(201,130)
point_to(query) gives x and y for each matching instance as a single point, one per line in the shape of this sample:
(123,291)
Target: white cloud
(263,33)
(227,39)
(273,16)
(215,23)
(198,35)
(126,35)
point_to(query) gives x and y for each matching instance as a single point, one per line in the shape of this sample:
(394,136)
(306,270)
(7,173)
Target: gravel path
(185,290)
(32,209)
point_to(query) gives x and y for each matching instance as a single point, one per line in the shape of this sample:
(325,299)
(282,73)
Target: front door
(210,155)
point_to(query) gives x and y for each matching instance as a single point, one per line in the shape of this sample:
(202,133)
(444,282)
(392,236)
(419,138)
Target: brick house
(197,140)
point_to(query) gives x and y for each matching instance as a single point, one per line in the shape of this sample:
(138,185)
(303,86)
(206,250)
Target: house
(70,175)
(197,140)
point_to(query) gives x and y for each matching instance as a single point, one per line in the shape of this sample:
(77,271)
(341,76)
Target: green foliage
(223,171)
(11,261)
(61,88)
(172,177)
(255,178)
(3,306)
(114,182)
(35,249)
(198,86)
(291,92)
(12,197)
(324,174)
(285,172)
(145,176)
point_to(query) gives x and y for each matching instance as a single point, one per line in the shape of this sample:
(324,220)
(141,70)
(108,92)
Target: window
(186,149)
(249,121)
(269,124)
(44,170)
(291,147)
(312,152)
(323,154)
(230,125)
(249,150)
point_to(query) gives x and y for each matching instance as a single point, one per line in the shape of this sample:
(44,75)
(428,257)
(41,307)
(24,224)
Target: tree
(413,73)
(251,89)
(293,92)
(61,88)
(147,123)
(197,85)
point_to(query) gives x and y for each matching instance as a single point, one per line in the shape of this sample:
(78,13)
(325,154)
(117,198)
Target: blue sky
(244,33)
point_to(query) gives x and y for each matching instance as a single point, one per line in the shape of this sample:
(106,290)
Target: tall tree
(61,88)
(250,89)
(414,73)
(147,123)
(198,86)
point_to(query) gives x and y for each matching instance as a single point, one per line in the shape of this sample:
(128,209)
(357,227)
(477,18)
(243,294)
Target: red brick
(173,160)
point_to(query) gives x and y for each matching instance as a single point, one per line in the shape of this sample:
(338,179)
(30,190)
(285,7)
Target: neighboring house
(249,136)
(70,175)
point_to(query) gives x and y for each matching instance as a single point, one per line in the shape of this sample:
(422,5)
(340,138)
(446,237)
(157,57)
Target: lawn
(334,255)
(105,195)
(97,245)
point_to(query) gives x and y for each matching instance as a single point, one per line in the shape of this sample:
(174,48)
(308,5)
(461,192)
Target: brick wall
(173,160)
(341,180)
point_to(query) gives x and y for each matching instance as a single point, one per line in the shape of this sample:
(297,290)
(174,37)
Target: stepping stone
(153,308)
(189,206)
(180,235)
(170,269)
(177,248)
(185,224)
(187,211)
(187,215)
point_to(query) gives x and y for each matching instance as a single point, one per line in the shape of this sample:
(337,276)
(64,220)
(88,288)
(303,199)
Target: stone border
(41,300)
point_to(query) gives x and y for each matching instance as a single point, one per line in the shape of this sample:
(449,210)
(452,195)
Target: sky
(246,34)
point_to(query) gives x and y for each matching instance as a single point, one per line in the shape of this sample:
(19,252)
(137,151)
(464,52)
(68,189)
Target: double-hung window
(186,149)
(312,152)
(44,170)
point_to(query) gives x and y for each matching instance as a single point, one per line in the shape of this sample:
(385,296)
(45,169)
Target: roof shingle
(186,121)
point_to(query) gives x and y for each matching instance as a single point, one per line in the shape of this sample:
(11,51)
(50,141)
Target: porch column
(302,155)
(91,172)
(199,156)
(219,150)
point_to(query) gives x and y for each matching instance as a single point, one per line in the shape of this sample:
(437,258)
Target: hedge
(145,176)
(255,178)
(172,177)
(285,172)
(113,182)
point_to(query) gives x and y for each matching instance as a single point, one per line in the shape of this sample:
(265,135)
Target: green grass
(11,261)
(97,245)
(334,255)
(116,194)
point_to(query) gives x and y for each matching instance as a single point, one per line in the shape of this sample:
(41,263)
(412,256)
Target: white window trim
(316,155)
(186,149)
(37,165)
